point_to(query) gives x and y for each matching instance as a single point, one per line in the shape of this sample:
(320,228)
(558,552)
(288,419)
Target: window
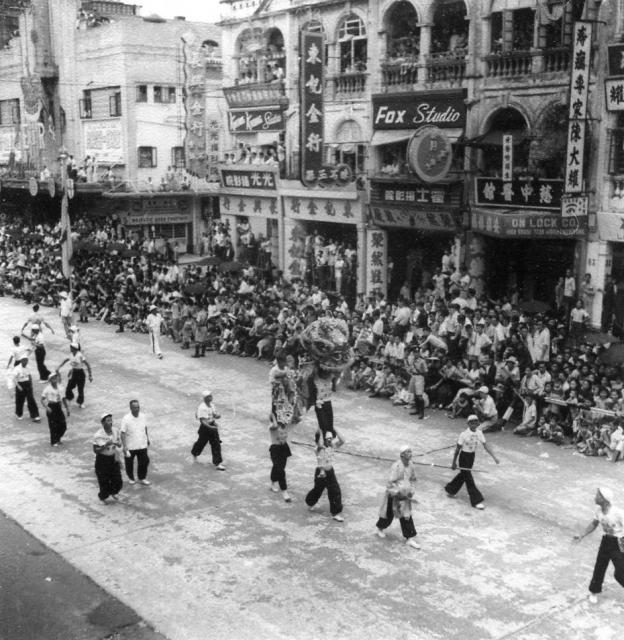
(616,149)
(348,147)
(114,105)
(496,32)
(177,157)
(522,33)
(10,111)
(141,93)
(352,45)
(164,95)
(147,157)
(85,106)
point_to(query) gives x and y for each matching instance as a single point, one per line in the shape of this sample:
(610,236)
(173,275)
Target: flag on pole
(67,249)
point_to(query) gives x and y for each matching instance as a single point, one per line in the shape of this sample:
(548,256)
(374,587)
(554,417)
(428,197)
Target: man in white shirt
(612,545)
(208,431)
(24,392)
(154,322)
(465,453)
(135,441)
(486,409)
(66,308)
(538,342)
(569,291)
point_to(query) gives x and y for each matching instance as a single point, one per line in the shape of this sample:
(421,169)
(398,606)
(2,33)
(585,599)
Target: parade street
(206,554)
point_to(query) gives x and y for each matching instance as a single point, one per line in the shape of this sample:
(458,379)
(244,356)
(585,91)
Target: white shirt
(102,438)
(50,394)
(612,522)
(469,439)
(205,411)
(76,360)
(135,430)
(22,374)
(153,321)
(66,307)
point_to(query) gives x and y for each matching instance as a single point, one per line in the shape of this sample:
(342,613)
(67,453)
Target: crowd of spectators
(494,357)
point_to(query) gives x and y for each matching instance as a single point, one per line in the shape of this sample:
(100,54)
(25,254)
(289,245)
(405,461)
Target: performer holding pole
(465,452)
(612,544)
(398,499)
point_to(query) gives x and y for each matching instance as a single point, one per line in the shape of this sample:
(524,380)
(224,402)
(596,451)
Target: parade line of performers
(117,447)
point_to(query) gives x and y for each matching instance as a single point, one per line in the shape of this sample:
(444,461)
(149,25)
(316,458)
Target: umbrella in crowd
(208,262)
(600,338)
(613,355)
(231,266)
(534,306)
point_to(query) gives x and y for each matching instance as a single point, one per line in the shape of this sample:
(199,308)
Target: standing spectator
(66,309)
(325,476)
(398,498)
(569,291)
(107,448)
(24,391)
(208,431)
(578,320)
(154,322)
(135,441)
(608,304)
(587,293)
(53,402)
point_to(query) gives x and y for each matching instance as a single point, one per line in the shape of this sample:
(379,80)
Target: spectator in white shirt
(135,439)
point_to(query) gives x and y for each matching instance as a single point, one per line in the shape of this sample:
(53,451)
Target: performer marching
(77,377)
(208,431)
(398,498)
(107,447)
(53,402)
(325,476)
(465,451)
(612,544)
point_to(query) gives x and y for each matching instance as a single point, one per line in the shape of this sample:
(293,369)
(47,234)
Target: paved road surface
(203,554)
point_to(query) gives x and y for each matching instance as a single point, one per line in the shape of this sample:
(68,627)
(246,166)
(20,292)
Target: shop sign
(616,59)
(249,207)
(429,154)
(154,218)
(579,89)
(104,141)
(376,261)
(574,206)
(529,194)
(397,193)
(507,169)
(321,209)
(252,178)
(251,120)
(254,95)
(527,225)
(409,219)
(154,205)
(614,94)
(443,109)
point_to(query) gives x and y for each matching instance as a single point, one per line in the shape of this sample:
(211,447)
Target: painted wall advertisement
(104,140)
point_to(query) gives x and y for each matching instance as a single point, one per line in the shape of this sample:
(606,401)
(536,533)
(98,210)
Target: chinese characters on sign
(429,154)
(415,195)
(264,179)
(579,89)
(321,209)
(530,194)
(614,94)
(312,113)
(409,219)
(507,171)
(250,207)
(376,261)
(255,96)
(527,225)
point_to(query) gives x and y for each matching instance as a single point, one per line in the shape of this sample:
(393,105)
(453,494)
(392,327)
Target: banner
(67,249)
(312,114)
(520,194)
(253,177)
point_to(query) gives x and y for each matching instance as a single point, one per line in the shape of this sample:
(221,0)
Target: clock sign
(429,154)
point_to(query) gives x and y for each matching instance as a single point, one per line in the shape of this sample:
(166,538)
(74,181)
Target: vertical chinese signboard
(376,261)
(195,105)
(312,115)
(579,89)
(507,158)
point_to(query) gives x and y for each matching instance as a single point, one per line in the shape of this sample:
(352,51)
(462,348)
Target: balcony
(508,65)
(399,75)
(347,85)
(446,67)
(556,59)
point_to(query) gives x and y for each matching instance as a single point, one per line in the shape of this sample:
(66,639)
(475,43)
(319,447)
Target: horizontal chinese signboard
(249,120)
(322,209)
(255,95)
(614,94)
(249,207)
(444,109)
(529,194)
(527,225)
(408,219)
(254,177)
(415,194)
(616,59)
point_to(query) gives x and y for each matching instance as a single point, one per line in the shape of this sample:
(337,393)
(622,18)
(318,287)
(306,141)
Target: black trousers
(608,551)
(77,380)
(208,435)
(142,463)
(56,422)
(108,474)
(466,460)
(407,524)
(279,457)
(322,480)
(325,417)
(25,395)
(40,354)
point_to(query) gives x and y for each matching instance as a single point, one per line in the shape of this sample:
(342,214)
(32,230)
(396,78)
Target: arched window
(261,56)
(402,33)
(506,121)
(547,151)
(349,147)
(450,28)
(352,45)
(248,44)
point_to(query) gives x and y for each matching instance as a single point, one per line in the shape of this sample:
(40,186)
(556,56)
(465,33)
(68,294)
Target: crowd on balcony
(440,346)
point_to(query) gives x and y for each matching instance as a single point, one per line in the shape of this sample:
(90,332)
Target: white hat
(483,389)
(473,418)
(63,294)
(74,345)
(607,494)
(105,415)
(153,307)
(35,327)
(206,393)
(405,448)
(73,328)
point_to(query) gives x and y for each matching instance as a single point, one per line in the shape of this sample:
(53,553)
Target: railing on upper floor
(348,84)
(509,64)
(448,66)
(556,59)
(399,75)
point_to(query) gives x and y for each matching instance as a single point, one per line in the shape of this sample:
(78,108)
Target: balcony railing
(446,67)
(508,65)
(397,75)
(348,84)
(556,59)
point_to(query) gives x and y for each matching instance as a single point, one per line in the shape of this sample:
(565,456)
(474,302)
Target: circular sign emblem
(51,187)
(69,185)
(429,154)
(33,187)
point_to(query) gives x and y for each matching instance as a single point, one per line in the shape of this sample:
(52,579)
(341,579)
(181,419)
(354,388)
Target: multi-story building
(110,87)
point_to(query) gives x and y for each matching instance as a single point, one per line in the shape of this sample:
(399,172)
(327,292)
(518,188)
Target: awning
(391,137)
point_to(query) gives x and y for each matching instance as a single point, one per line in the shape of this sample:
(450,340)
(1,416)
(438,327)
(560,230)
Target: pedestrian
(37,342)
(279,451)
(107,447)
(36,318)
(66,308)
(399,497)
(465,451)
(325,476)
(208,431)
(135,441)
(77,376)
(53,401)
(24,391)
(612,544)
(154,322)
